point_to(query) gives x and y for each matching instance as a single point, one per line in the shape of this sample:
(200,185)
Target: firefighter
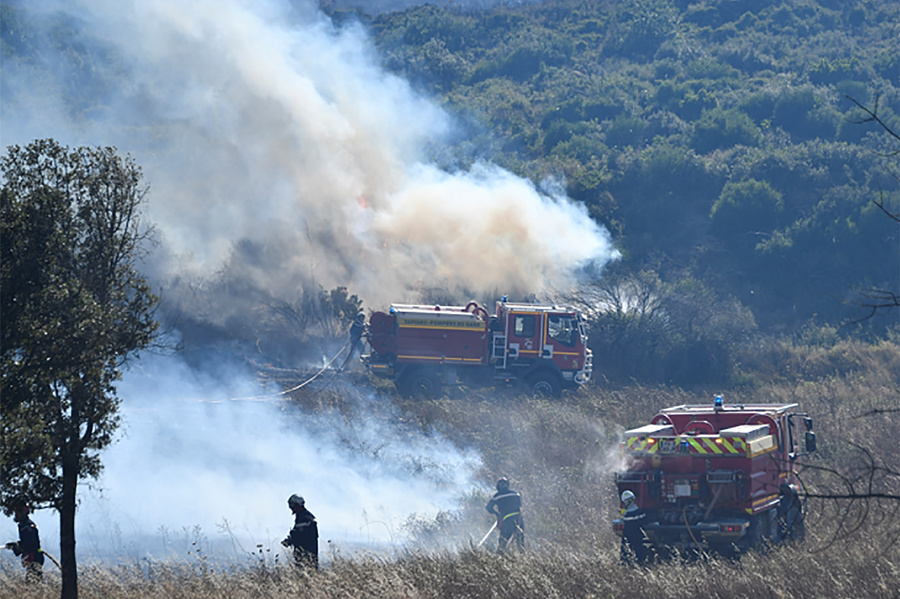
(356,332)
(304,536)
(506,505)
(28,546)
(790,513)
(633,546)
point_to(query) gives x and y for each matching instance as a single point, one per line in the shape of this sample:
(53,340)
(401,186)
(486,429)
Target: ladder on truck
(498,352)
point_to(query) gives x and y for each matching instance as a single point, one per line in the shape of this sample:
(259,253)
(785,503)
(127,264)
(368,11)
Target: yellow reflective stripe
(764,451)
(437,358)
(638,444)
(695,443)
(731,447)
(703,445)
(711,443)
(512,514)
(765,499)
(479,327)
(707,445)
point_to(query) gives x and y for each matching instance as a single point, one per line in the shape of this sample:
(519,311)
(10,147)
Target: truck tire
(544,384)
(419,383)
(758,533)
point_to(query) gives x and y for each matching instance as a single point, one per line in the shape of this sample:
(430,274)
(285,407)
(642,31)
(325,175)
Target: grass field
(560,454)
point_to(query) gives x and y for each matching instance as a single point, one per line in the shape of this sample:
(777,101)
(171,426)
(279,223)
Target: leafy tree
(643,26)
(875,299)
(681,332)
(746,210)
(74,310)
(719,128)
(318,318)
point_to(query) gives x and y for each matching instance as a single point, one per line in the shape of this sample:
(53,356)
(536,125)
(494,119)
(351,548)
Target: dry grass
(560,455)
(860,568)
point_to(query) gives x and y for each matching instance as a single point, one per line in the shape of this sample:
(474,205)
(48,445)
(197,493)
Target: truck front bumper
(720,532)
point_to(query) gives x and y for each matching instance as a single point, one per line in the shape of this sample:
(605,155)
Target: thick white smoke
(206,457)
(260,122)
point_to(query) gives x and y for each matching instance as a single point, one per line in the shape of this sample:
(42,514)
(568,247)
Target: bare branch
(873,117)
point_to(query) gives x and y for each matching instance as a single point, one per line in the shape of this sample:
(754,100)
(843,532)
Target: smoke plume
(280,156)
(207,460)
(262,124)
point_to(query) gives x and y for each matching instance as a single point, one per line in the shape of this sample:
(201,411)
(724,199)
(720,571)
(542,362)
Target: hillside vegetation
(719,140)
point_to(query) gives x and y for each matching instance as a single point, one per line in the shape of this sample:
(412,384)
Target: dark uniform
(633,545)
(790,513)
(506,505)
(28,546)
(356,332)
(304,536)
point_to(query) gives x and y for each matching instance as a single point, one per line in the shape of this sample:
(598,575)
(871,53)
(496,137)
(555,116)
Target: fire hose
(300,386)
(493,526)
(47,555)
(52,559)
(316,375)
(687,525)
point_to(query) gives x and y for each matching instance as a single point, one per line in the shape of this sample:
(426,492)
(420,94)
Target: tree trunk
(67,525)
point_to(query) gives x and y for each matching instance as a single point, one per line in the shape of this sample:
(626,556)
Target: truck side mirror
(810,442)
(807,422)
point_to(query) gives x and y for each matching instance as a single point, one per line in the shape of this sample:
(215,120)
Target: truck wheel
(544,384)
(757,534)
(419,383)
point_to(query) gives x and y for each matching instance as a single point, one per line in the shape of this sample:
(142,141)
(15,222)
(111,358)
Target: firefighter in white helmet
(633,538)
(304,536)
(506,505)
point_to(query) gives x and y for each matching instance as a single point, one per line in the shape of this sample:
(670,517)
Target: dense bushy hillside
(719,139)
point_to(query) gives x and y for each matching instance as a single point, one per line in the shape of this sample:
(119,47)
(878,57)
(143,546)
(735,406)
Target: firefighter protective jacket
(633,534)
(505,504)
(304,537)
(29,543)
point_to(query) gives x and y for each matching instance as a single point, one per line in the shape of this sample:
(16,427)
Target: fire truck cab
(546,345)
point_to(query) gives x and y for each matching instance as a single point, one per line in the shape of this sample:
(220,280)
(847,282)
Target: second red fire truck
(717,476)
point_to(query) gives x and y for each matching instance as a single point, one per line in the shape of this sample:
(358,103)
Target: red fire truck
(721,477)
(423,348)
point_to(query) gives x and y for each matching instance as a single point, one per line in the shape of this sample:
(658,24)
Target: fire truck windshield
(562,328)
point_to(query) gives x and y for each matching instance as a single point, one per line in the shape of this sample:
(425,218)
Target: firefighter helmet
(361,317)
(627,497)
(502,483)
(296,500)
